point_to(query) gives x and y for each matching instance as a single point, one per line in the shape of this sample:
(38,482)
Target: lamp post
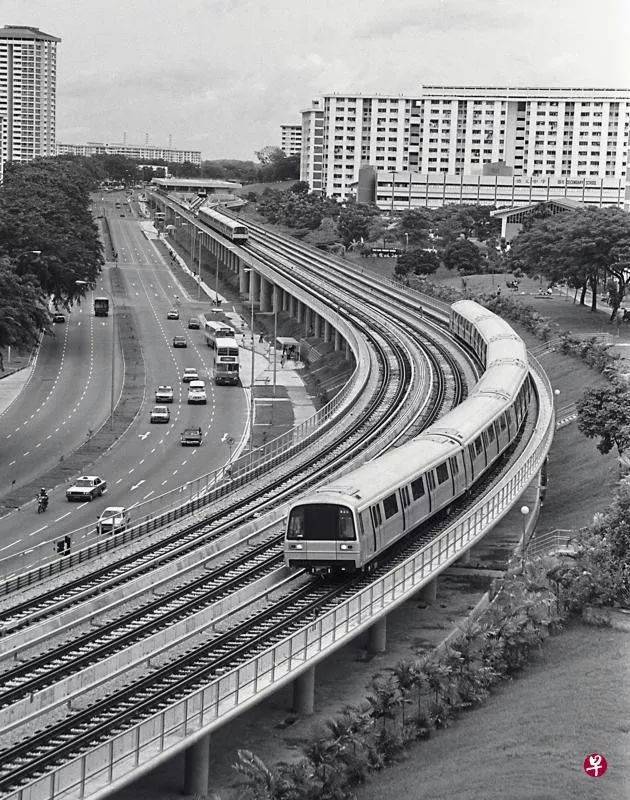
(524,513)
(251,404)
(111,400)
(216,285)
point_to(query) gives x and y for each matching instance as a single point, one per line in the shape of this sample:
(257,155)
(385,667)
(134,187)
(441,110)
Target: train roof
(510,349)
(501,379)
(462,424)
(376,479)
(471,310)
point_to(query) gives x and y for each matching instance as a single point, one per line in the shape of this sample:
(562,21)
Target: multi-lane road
(68,396)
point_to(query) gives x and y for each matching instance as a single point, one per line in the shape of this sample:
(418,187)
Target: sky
(221,76)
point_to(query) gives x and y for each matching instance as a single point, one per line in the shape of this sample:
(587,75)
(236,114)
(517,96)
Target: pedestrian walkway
(11,385)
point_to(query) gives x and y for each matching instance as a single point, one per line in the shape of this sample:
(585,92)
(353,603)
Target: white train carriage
(233,229)
(344,526)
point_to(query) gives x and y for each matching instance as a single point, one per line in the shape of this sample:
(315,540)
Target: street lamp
(111,401)
(251,404)
(524,513)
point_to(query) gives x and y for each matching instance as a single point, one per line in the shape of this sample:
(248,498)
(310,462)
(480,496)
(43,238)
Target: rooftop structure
(143,151)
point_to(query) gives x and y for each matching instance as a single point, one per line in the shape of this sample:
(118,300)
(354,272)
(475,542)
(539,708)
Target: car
(191,437)
(194,324)
(164,394)
(197,392)
(87,487)
(190,374)
(59,318)
(173,314)
(122,215)
(160,414)
(179,341)
(112,520)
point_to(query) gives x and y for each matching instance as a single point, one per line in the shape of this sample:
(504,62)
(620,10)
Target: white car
(190,374)
(112,520)
(197,392)
(164,394)
(87,487)
(160,414)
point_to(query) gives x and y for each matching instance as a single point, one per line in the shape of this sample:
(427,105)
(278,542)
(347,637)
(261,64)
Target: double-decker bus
(217,330)
(225,361)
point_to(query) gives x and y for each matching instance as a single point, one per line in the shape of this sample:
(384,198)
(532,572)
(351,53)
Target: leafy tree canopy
(605,413)
(355,221)
(463,256)
(23,312)
(419,261)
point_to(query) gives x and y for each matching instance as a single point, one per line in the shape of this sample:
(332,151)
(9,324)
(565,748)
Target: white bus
(217,330)
(225,361)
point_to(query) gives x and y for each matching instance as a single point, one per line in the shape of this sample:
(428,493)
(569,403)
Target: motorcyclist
(42,498)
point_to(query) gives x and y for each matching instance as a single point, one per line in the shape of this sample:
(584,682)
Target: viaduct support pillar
(428,593)
(307,321)
(254,286)
(317,325)
(377,636)
(285,300)
(242,280)
(337,340)
(291,306)
(197,767)
(465,558)
(304,692)
(346,350)
(265,294)
(326,330)
(300,310)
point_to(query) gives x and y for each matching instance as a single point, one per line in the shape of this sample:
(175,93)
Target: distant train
(347,524)
(229,227)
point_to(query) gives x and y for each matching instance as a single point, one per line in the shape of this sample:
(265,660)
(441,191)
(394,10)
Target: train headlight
(345,547)
(296,547)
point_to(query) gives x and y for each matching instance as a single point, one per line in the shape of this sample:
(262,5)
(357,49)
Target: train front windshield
(321,522)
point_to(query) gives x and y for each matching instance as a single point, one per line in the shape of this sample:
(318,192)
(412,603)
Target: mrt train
(347,524)
(233,229)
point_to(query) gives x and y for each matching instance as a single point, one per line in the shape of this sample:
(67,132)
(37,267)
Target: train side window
(390,506)
(417,488)
(490,432)
(471,452)
(478,446)
(508,416)
(442,473)
(454,466)
(430,481)
(502,422)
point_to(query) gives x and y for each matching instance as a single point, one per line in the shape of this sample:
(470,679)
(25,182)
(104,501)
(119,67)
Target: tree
(355,221)
(584,246)
(417,225)
(605,413)
(420,261)
(23,312)
(463,256)
(301,187)
(270,154)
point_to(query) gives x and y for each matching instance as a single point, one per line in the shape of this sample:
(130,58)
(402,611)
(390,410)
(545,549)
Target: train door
(376,518)
(458,474)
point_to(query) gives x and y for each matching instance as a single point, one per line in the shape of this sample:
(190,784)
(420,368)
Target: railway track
(36,754)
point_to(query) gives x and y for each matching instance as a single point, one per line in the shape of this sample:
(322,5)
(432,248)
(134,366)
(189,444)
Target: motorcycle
(42,504)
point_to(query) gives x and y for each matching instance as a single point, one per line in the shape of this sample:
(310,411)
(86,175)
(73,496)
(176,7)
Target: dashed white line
(67,514)
(39,530)
(17,541)
(149,494)
(12,463)
(83,504)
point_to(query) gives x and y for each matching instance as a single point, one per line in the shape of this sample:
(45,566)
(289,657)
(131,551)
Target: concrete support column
(285,299)
(265,294)
(377,636)
(304,692)
(276,304)
(346,350)
(197,767)
(317,325)
(291,306)
(254,286)
(428,593)
(300,310)
(337,340)
(307,321)
(465,558)
(243,283)
(326,330)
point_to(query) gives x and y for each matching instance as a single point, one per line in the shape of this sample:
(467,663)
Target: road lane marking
(67,514)
(27,452)
(149,494)
(83,504)
(133,469)
(135,486)
(141,461)
(39,530)
(17,541)
(12,463)
(163,482)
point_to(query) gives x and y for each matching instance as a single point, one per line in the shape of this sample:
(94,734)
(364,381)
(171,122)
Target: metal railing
(112,764)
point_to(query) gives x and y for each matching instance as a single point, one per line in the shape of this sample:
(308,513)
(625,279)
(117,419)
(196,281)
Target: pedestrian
(261,337)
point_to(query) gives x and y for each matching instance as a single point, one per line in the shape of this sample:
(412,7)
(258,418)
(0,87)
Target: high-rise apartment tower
(462,130)
(28,81)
